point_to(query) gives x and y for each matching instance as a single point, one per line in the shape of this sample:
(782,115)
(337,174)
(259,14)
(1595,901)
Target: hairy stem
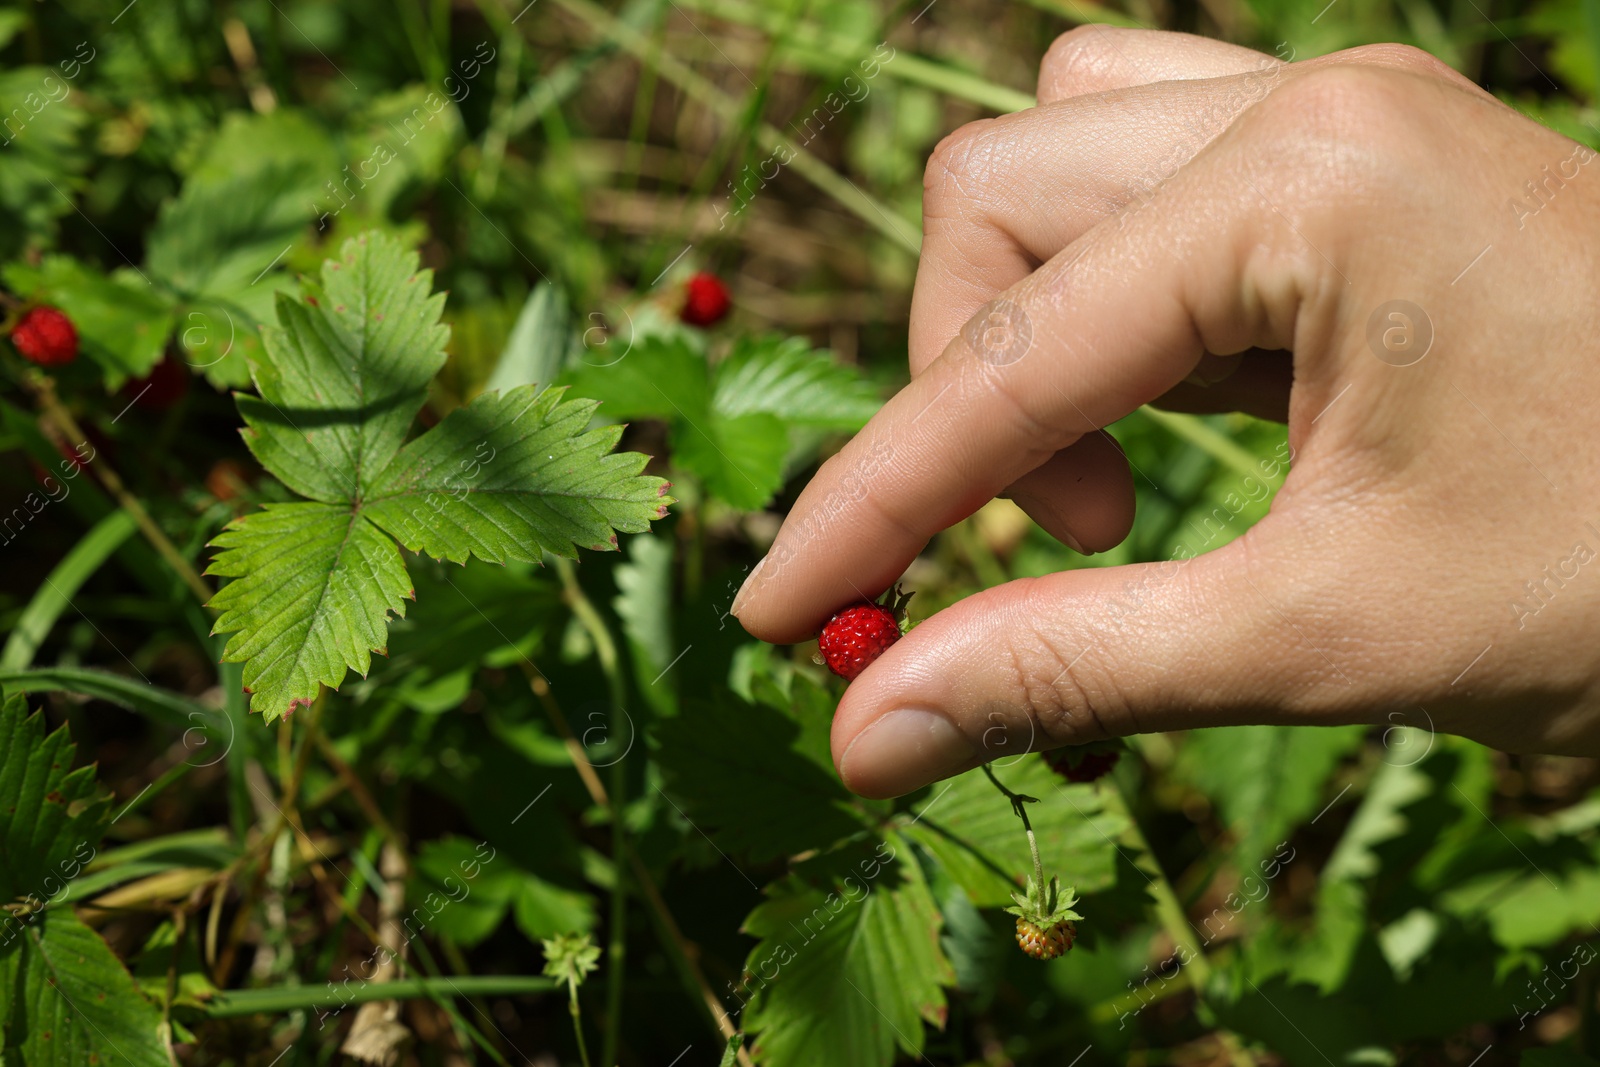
(1019,804)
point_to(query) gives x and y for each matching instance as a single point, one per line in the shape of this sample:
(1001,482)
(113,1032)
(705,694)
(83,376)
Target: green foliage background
(324,257)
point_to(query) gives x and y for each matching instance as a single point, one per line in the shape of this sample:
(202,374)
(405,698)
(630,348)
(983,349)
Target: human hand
(1059,289)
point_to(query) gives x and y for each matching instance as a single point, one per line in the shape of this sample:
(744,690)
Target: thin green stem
(606,652)
(577,1023)
(1019,803)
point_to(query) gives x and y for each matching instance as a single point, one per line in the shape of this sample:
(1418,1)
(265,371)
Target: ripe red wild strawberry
(165,385)
(860,633)
(44,335)
(1084,763)
(706,300)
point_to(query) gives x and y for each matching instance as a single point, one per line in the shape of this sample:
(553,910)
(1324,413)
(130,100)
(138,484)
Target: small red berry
(706,301)
(855,637)
(165,385)
(1047,943)
(44,335)
(1084,763)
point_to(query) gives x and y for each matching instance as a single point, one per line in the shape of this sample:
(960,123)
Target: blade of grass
(565,78)
(55,595)
(902,232)
(282,999)
(1197,432)
(1087,12)
(820,52)
(163,705)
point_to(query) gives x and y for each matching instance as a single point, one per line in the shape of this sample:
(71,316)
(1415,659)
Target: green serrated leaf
(220,236)
(660,378)
(644,604)
(740,459)
(345,372)
(1264,780)
(847,972)
(544,909)
(973,832)
(511,475)
(507,477)
(314,588)
(70,1002)
(412,133)
(732,769)
(787,378)
(733,427)
(466,898)
(51,816)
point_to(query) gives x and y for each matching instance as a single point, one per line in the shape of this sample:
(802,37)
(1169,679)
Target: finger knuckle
(1334,113)
(1024,401)
(958,163)
(1080,55)
(1403,56)
(1060,678)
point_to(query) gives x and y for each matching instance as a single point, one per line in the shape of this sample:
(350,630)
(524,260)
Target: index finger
(1000,400)
(996,404)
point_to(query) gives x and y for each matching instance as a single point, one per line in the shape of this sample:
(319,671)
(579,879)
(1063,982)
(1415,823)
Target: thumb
(1083,655)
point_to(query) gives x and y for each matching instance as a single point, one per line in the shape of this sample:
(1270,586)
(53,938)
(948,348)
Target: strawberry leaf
(315,586)
(787,378)
(660,378)
(511,474)
(740,424)
(69,1001)
(123,323)
(43,154)
(346,372)
(51,817)
(974,834)
(847,970)
(735,770)
(1264,780)
(739,459)
(507,477)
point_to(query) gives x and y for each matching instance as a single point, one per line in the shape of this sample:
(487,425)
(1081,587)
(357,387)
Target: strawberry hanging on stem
(1044,913)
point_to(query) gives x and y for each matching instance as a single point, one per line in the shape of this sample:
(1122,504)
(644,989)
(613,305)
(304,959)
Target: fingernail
(1072,543)
(902,751)
(744,590)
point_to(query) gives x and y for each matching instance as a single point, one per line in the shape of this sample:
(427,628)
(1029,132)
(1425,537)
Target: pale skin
(1172,202)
